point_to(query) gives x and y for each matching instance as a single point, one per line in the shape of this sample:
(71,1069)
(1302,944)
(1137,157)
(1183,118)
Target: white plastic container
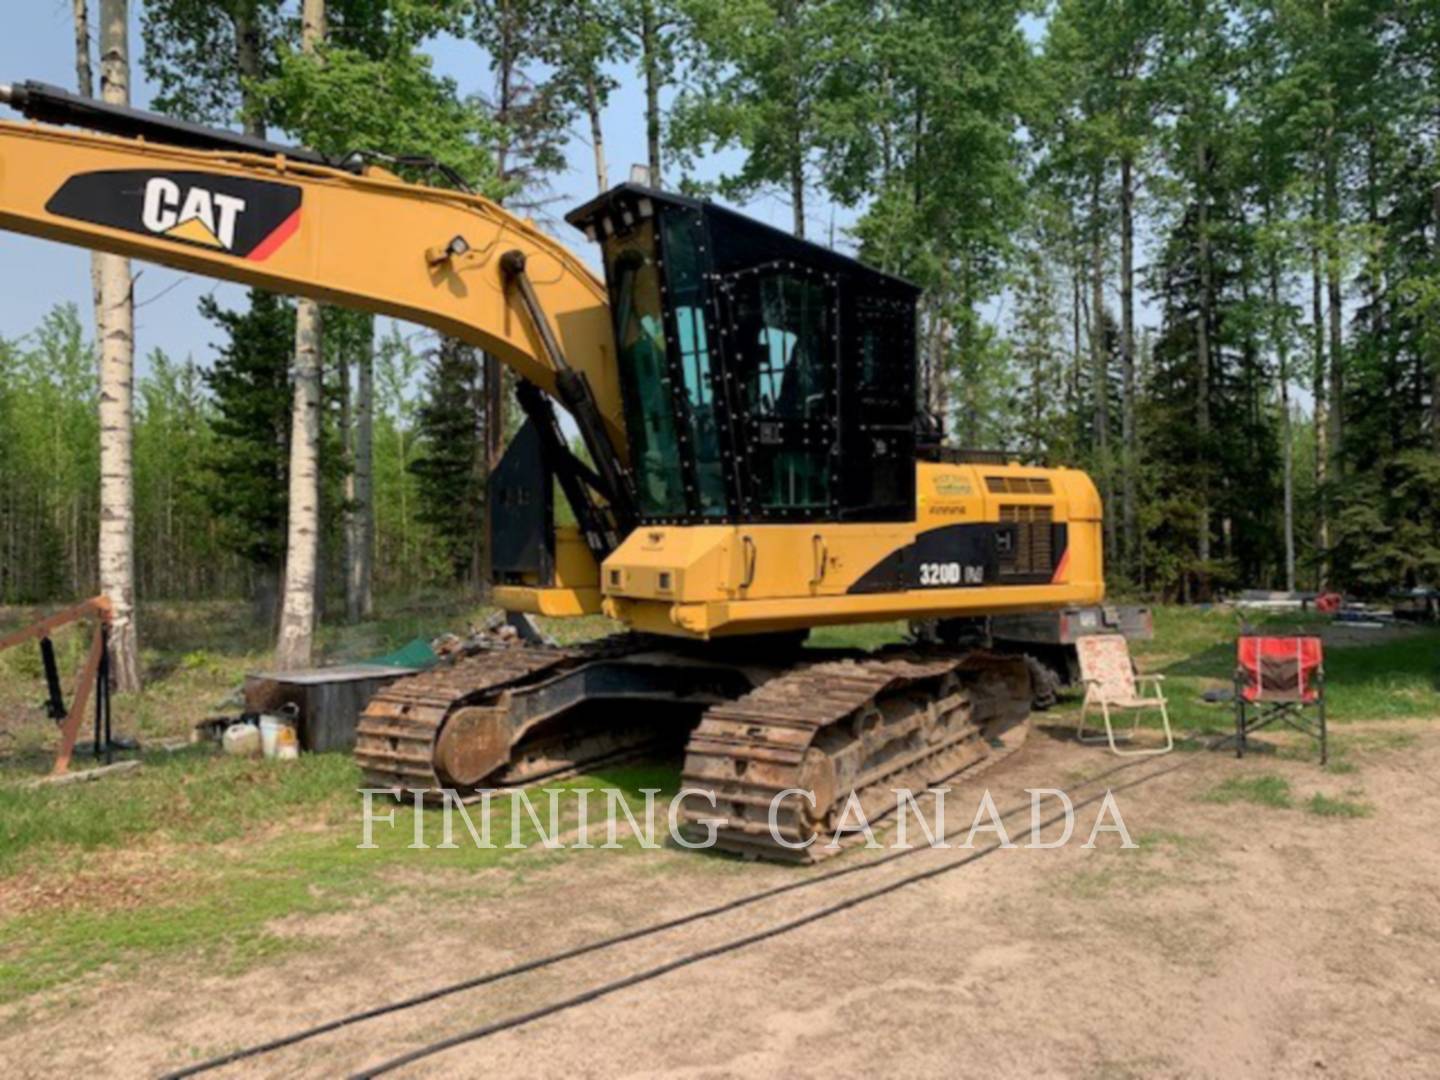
(241,740)
(277,738)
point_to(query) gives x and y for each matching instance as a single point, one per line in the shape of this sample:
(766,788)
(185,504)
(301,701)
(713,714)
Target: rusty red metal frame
(99,609)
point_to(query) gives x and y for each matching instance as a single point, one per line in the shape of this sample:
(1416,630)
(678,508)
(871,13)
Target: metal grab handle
(822,556)
(750,556)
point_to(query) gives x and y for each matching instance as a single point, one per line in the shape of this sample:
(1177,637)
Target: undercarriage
(839,730)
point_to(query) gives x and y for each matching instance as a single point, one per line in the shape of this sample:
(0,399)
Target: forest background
(1190,247)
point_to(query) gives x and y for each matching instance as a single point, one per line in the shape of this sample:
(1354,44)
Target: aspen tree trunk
(1322,425)
(1202,350)
(349,520)
(650,62)
(117,388)
(797,196)
(597,132)
(297,618)
(359,593)
(1127,361)
(1336,312)
(1101,366)
(85,83)
(1332,269)
(1280,336)
(1435,254)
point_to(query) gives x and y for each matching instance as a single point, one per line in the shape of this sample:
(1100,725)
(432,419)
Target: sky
(38,44)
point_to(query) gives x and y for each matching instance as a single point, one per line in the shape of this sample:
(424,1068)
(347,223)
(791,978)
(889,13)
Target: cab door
(782,380)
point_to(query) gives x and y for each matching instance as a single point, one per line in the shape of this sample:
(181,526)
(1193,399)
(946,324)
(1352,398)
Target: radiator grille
(1034,551)
(1019,485)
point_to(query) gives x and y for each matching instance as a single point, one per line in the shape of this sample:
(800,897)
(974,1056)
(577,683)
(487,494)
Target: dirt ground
(1237,940)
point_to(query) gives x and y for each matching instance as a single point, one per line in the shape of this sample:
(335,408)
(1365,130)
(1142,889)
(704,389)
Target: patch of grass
(1264,790)
(188,796)
(861,636)
(1326,806)
(1133,870)
(299,831)
(1393,677)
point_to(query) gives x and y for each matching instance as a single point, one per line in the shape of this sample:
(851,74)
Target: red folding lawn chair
(1280,678)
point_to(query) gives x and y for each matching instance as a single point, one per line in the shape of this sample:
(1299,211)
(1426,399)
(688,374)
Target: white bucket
(277,738)
(242,740)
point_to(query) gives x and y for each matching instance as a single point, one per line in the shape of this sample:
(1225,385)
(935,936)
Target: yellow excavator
(755,465)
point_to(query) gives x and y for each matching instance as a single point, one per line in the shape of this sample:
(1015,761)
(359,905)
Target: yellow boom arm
(369,241)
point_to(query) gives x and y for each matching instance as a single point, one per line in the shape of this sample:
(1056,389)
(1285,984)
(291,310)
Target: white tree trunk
(597,131)
(297,617)
(362,568)
(117,385)
(85,83)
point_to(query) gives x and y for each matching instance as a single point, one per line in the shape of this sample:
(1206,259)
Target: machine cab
(764,378)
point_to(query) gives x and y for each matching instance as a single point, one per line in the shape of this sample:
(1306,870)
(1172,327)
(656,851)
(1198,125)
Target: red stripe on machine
(1060,567)
(271,243)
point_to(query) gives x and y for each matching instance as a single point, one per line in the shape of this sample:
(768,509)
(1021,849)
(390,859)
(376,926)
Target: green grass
(247,844)
(218,852)
(1326,806)
(192,796)
(1265,790)
(1194,649)
(1274,791)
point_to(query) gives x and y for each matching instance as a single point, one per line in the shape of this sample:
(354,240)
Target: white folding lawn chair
(1111,683)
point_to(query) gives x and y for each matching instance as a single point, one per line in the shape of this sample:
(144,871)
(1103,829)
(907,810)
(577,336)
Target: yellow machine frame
(374,242)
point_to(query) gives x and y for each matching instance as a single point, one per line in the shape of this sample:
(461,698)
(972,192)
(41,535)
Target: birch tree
(297,617)
(116,332)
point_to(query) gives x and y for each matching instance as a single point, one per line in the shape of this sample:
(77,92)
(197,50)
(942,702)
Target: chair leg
(1149,750)
(1080,735)
(1324,734)
(1239,723)
(1109,728)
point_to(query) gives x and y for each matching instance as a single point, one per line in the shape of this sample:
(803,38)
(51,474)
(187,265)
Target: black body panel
(957,556)
(521,512)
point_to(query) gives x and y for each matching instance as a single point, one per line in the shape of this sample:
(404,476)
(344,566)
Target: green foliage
(393,104)
(776,78)
(245,481)
(1277,151)
(178,552)
(48,488)
(450,468)
(194,51)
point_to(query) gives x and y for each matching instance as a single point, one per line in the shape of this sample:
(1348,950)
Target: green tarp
(417,654)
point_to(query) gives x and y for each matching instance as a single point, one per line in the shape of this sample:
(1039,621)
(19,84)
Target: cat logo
(233,215)
(201,217)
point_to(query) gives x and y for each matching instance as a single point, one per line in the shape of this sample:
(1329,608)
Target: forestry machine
(755,466)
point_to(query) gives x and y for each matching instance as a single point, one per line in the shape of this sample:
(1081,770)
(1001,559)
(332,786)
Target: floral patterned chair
(1112,684)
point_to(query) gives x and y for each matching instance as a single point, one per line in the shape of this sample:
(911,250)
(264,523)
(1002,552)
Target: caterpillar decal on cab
(250,219)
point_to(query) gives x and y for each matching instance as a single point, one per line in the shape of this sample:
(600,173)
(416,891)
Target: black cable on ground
(283,1041)
(606,989)
(361,1016)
